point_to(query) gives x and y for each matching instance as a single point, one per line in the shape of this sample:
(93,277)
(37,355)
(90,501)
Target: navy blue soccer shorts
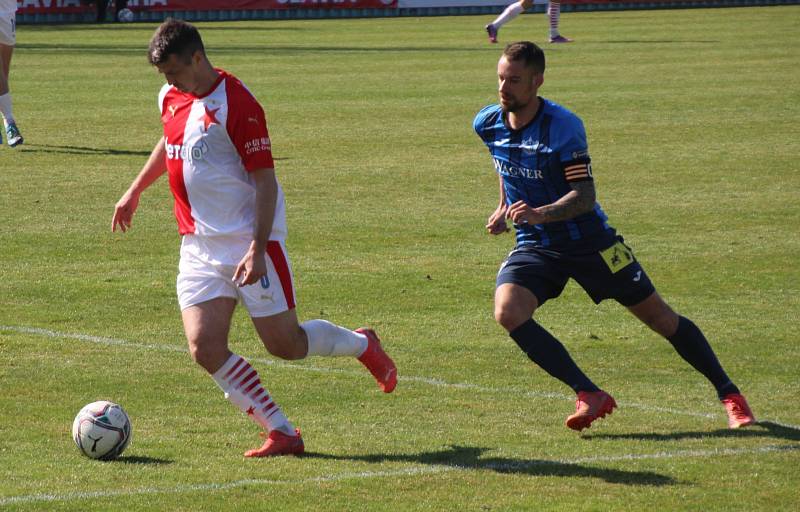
(612,273)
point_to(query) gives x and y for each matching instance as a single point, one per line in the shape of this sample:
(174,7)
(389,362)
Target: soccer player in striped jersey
(8,39)
(232,217)
(547,190)
(517,8)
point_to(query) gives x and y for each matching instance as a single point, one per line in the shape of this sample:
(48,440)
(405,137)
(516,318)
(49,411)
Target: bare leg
(206,326)
(5,65)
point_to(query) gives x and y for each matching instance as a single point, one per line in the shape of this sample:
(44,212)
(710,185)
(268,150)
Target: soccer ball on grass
(102,430)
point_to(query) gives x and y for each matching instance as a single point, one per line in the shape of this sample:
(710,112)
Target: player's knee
(510,317)
(207,354)
(664,323)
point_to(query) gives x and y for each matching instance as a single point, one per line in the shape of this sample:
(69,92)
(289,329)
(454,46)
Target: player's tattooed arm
(577,201)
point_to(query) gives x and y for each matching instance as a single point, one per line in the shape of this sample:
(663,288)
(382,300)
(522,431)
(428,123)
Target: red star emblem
(251,410)
(209,117)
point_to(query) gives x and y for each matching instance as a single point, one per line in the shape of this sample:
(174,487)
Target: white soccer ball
(102,430)
(125,15)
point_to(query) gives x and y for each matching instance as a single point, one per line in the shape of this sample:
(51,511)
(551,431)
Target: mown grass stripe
(305,367)
(413,471)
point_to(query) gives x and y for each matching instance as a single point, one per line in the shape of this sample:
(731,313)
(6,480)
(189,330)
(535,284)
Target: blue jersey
(537,164)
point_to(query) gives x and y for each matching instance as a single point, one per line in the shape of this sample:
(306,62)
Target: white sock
(243,388)
(511,12)
(5,108)
(554,13)
(330,340)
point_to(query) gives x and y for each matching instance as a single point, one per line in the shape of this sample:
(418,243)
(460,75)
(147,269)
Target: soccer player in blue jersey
(542,159)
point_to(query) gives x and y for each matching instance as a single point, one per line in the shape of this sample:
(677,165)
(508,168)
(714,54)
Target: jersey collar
(535,118)
(221,76)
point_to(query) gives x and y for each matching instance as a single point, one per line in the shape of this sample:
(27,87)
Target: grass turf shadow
(469,457)
(139,459)
(770,429)
(79,150)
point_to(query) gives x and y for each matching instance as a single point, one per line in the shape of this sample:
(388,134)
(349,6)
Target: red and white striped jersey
(213,142)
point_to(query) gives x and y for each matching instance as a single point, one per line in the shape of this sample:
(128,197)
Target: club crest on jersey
(172,109)
(184,152)
(530,146)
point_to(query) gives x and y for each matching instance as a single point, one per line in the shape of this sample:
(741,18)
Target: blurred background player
(8,38)
(547,189)
(232,215)
(102,6)
(517,8)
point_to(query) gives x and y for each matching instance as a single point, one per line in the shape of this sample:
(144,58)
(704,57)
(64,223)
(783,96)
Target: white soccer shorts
(8,29)
(206,272)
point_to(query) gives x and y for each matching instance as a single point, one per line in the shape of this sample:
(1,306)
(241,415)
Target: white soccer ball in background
(125,15)
(102,430)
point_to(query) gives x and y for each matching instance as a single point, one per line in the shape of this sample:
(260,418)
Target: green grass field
(692,117)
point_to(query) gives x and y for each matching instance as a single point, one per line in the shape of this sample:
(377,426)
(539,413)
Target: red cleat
(590,406)
(377,362)
(278,443)
(739,413)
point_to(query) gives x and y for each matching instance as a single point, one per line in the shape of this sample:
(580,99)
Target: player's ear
(198,57)
(538,79)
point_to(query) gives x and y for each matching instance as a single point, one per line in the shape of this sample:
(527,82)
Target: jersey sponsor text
(517,171)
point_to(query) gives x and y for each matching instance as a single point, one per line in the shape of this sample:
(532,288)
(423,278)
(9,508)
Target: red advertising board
(51,6)
(73,6)
(213,5)
(84,6)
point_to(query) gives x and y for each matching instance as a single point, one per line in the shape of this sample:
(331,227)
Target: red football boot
(278,443)
(377,362)
(739,413)
(590,406)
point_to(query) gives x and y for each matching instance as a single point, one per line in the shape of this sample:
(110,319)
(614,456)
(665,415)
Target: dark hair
(174,37)
(527,52)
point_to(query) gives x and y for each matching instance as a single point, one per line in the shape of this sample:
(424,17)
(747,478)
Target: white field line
(412,471)
(310,368)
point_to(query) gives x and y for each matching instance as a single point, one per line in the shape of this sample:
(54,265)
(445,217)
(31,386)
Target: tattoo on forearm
(580,200)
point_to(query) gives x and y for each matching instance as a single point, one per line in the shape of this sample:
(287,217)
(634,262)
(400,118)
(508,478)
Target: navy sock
(690,343)
(546,351)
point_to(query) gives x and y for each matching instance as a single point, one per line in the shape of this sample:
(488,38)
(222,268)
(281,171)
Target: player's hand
(497,221)
(124,210)
(252,267)
(521,213)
